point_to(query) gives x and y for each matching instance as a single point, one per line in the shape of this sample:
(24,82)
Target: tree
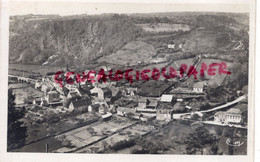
(199,139)
(16,130)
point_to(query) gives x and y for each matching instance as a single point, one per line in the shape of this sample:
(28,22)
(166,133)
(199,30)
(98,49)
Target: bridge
(23,79)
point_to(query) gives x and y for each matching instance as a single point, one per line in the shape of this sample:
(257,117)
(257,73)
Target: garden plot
(128,133)
(85,135)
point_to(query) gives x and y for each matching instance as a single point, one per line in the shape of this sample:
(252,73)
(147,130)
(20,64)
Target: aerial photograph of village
(138,83)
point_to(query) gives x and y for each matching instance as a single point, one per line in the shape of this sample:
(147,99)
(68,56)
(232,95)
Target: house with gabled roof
(79,105)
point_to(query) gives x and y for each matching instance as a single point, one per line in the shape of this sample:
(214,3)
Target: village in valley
(112,113)
(180,115)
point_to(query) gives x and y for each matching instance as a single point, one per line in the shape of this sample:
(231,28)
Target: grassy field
(131,53)
(20,69)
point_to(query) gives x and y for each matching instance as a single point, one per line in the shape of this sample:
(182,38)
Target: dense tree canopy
(199,139)
(16,130)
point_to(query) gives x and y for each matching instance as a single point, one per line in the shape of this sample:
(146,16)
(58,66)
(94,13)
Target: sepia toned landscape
(202,110)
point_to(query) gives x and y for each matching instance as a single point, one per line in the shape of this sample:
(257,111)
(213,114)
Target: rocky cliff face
(70,41)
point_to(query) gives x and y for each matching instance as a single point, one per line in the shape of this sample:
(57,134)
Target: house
(79,105)
(120,111)
(96,91)
(105,68)
(71,86)
(220,116)
(129,91)
(106,116)
(45,88)
(44,103)
(198,87)
(112,109)
(180,46)
(188,107)
(235,115)
(137,116)
(73,94)
(101,93)
(179,99)
(108,101)
(102,109)
(172,46)
(93,108)
(142,102)
(152,104)
(116,93)
(107,93)
(65,91)
(53,97)
(37,101)
(146,111)
(38,85)
(166,98)
(84,92)
(164,114)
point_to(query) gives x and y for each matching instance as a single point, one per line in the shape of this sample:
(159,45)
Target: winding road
(176,116)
